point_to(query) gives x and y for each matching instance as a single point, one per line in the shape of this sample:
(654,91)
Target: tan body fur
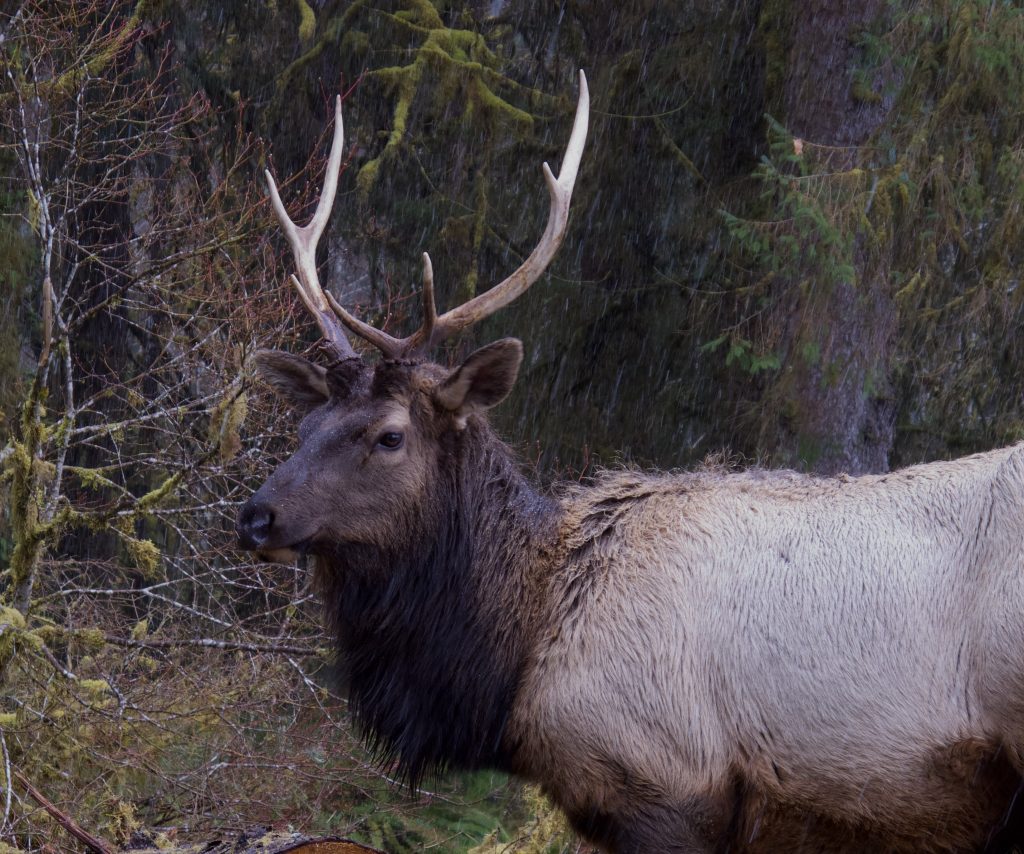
(759,647)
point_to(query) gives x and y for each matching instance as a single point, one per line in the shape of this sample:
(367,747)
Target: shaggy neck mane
(432,638)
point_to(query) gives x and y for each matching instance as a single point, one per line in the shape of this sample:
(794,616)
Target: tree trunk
(843,413)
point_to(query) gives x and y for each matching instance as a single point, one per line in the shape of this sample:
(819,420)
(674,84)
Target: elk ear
(300,382)
(482,381)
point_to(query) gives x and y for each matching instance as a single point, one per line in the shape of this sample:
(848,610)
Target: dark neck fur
(432,639)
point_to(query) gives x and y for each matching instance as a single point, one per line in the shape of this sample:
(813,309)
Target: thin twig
(213,643)
(8,787)
(55,664)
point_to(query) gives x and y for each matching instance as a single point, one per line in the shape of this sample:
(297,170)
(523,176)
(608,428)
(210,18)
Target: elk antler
(303,240)
(435,329)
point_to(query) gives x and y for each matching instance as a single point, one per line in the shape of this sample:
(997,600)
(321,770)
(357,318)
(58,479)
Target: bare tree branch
(212,643)
(93,843)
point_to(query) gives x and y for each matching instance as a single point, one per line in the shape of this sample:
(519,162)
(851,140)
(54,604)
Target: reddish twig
(93,843)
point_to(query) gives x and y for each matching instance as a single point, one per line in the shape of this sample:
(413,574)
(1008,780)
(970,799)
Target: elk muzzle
(255,522)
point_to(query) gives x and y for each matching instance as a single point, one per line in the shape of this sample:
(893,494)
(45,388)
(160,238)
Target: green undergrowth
(460,813)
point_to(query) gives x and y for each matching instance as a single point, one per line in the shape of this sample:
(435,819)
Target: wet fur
(430,649)
(768,662)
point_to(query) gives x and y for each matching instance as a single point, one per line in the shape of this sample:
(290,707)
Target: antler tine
(304,239)
(560,191)
(389,346)
(429,306)
(395,348)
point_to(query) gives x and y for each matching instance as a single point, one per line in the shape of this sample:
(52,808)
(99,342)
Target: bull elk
(708,661)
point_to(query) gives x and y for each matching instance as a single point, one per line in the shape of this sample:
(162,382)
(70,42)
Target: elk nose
(254,524)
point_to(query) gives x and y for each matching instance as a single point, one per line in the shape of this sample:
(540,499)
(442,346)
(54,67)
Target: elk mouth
(286,554)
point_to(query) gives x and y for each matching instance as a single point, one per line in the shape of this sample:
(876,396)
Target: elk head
(374,437)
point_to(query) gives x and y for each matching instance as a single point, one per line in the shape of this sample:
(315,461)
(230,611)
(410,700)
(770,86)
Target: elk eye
(391,441)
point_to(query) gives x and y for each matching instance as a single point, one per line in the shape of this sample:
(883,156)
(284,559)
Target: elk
(708,661)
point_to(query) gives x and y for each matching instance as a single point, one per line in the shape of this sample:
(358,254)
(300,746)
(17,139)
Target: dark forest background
(796,238)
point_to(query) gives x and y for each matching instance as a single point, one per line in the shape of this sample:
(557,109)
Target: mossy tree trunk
(830,406)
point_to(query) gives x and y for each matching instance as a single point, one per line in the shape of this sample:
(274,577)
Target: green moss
(94,687)
(545,830)
(121,821)
(89,640)
(145,555)
(11,617)
(368,175)
(448,63)
(156,496)
(226,420)
(307,21)
(91,478)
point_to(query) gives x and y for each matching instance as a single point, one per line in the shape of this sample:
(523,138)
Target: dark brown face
(369,447)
